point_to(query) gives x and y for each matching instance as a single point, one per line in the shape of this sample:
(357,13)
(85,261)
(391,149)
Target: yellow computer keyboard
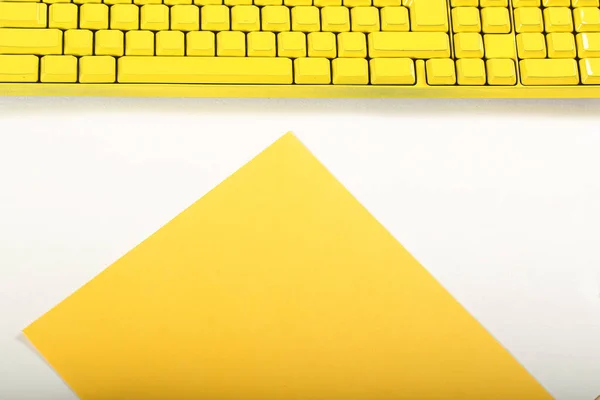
(310,48)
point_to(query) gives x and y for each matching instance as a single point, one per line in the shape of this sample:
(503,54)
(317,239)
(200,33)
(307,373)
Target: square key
(394,19)
(79,42)
(493,3)
(93,16)
(356,3)
(155,17)
(495,20)
(237,2)
(561,45)
(214,18)
(558,19)
(312,71)
(335,19)
(139,43)
(365,19)
(97,69)
(109,43)
(531,45)
(172,2)
(501,71)
(352,44)
(125,17)
(350,71)
(585,3)
(59,69)
(529,19)
(200,43)
(170,43)
(440,71)
(185,18)
(556,3)
(306,19)
(464,3)
(231,44)
(291,44)
(468,45)
(470,71)
(466,19)
(526,3)
(322,44)
(295,3)
(587,19)
(261,44)
(500,45)
(275,18)
(63,16)
(245,18)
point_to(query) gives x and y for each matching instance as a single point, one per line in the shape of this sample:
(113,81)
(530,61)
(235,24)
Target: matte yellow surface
(23,15)
(19,68)
(59,69)
(276,285)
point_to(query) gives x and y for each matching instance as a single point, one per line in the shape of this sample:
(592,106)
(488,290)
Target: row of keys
(492,20)
(246,18)
(558,45)
(557,19)
(229,43)
(525,3)
(289,3)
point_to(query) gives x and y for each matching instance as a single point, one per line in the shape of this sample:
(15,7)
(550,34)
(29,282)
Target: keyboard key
(585,3)
(261,44)
(587,19)
(590,71)
(155,17)
(23,15)
(275,18)
(291,44)
(306,19)
(312,71)
(561,45)
(558,19)
(79,42)
(171,43)
(59,69)
(124,17)
(231,44)
(139,43)
(268,2)
(237,2)
(500,46)
(392,71)
(63,16)
(531,45)
(588,45)
(356,3)
(470,71)
(245,18)
(322,44)
(109,43)
(493,3)
(350,71)
(294,3)
(529,20)
(200,44)
(352,44)
(440,71)
(30,41)
(549,72)
(327,3)
(556,3)
(409,44)
(387,3)
(205,69)
(466,19)
(185,18)
(19,68)
(468,45)
(495,20)
(97,69)
(394,19)
(335,19)
(526,3)
(365,19)
(93,16)
(501,71)
(168,2)
(428,15)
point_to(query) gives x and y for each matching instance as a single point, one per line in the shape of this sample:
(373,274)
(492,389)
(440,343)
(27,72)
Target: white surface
(500,200)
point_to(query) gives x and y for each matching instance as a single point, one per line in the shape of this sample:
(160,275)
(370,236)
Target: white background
(500,200)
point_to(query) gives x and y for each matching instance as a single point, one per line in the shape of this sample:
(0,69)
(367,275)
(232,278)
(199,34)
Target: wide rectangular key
(23,15)
(30,41)
(19,68)
(428,15)
(409,44)
(273,70)
(547,71)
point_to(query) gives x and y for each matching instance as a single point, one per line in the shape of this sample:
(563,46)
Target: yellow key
(556,3)
(30,41)
(205,2)
(272,70)
(585,3)
(409,44)
(214,18)
(57,1)
(232,43)
(322,44)
(428,15)
(501,71)
(170,43)
(294,3)
(561,45)
(268,2)
(139,43)
(312,71)
(526,3)
(365,19)
(394,19)
(23,15)
(155,17)
(587,19)
(386,3)
(59,69)
(466,19)
(470,71)
(185,18)
(549,72)
(392,71)
(125,17)
(93,16)
(327,3)
(500,46)
(531,45)
(495,20)
(109,43)
(238,2)
(19,68)
(464,3)
(261,44)
(306,19)
(588,45)
(468,45)
(84,1)
(590,71)
(493,3)
(352,44)
(63,16)
(245,18)
(529,20)
(356,3)
(275,18)
(350,71)
(558,19)
(174,2)
(98,69)
(79,42)
(335,19)
(291,44)
(440,71)
(200,43)
(112,2)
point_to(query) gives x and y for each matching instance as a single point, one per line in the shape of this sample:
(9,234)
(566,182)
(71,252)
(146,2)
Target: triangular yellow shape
(276,285)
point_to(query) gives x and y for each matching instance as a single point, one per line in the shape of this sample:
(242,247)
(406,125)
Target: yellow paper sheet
(276,285)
